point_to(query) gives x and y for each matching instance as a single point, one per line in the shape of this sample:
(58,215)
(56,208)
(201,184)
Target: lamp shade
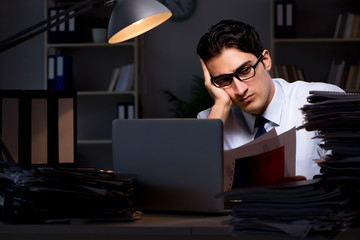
(131,18)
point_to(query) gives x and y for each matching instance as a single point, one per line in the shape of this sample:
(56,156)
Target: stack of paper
(51,195)
(336,116)
(302,209)
(317,208)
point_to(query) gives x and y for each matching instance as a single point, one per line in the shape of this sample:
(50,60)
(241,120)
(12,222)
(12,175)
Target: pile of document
(51,195)
(336,116)
(317,208)
(302,209)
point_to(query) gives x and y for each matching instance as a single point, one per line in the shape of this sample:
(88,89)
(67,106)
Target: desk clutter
(42,194)
(318,208)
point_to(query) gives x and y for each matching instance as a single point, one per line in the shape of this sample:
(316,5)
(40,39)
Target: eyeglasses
(242,73)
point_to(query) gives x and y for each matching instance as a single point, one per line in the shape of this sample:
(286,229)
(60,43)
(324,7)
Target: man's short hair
(229,34)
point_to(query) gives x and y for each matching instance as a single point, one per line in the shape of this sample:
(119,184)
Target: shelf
(90,45)
(315,50)
(92,67)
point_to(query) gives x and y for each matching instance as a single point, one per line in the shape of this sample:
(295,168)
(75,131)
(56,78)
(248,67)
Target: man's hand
(218,94)
(222,101)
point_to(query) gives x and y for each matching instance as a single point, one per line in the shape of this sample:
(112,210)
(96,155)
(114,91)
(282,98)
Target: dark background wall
(169,53)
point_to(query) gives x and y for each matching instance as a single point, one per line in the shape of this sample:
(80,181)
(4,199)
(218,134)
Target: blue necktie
(260,122)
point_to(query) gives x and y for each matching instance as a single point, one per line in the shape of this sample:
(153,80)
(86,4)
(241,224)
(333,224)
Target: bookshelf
(314,48)
(92,71)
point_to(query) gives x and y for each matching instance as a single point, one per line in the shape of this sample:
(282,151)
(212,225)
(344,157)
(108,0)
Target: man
(236,71)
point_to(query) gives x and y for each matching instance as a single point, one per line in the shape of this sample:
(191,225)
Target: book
(351,82)
(337,72)
(339,26)
(289,72)
(114,79)
(126,78)
(349,24)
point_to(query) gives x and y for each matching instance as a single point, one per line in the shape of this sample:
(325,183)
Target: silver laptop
(178,162)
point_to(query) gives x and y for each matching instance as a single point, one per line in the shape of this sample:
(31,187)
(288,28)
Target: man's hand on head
(222,101)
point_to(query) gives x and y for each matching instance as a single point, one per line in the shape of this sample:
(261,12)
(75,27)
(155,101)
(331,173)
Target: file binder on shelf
(71,30)
(285,19)
(65,32)
(63,72)
(60,72)
(126,111)
(39,126)
(51,82)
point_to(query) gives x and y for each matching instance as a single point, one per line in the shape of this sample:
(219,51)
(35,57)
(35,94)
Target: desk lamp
(129,19)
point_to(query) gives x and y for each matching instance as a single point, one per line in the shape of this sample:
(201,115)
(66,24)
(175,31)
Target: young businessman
(236,71)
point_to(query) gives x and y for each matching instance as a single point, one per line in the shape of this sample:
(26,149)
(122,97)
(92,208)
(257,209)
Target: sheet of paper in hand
(263,161)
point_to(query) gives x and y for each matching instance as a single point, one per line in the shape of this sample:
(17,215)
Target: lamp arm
(76,10)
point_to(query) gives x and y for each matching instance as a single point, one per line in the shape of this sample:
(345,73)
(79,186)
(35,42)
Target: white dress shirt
(283,113)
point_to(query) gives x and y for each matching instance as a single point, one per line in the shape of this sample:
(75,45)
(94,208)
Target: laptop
(178,162)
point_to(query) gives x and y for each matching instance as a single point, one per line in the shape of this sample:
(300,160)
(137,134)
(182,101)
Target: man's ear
(266,60)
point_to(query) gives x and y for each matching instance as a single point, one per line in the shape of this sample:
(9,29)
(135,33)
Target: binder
(62,27)
(56,34)
(285,19)
(130,111)
(64,32)
(121,111)
(51,83)
(53,32)
(71,29)
(63,72)
(125,111)
(39,126)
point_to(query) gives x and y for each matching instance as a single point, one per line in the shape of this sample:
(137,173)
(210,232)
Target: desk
(152,226)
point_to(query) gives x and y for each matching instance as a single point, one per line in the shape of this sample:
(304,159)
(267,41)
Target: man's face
(252,95)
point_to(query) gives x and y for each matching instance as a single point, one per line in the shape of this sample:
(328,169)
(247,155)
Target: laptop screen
(178,162)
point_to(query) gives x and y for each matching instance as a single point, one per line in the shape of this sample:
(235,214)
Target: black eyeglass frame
(232,75)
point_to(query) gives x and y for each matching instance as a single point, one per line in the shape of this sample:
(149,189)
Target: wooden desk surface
(150,226)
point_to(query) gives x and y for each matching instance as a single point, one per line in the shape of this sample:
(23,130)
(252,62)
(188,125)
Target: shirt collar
(272,112)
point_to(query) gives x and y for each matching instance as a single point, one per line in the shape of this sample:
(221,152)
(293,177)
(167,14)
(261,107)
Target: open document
(263,161)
